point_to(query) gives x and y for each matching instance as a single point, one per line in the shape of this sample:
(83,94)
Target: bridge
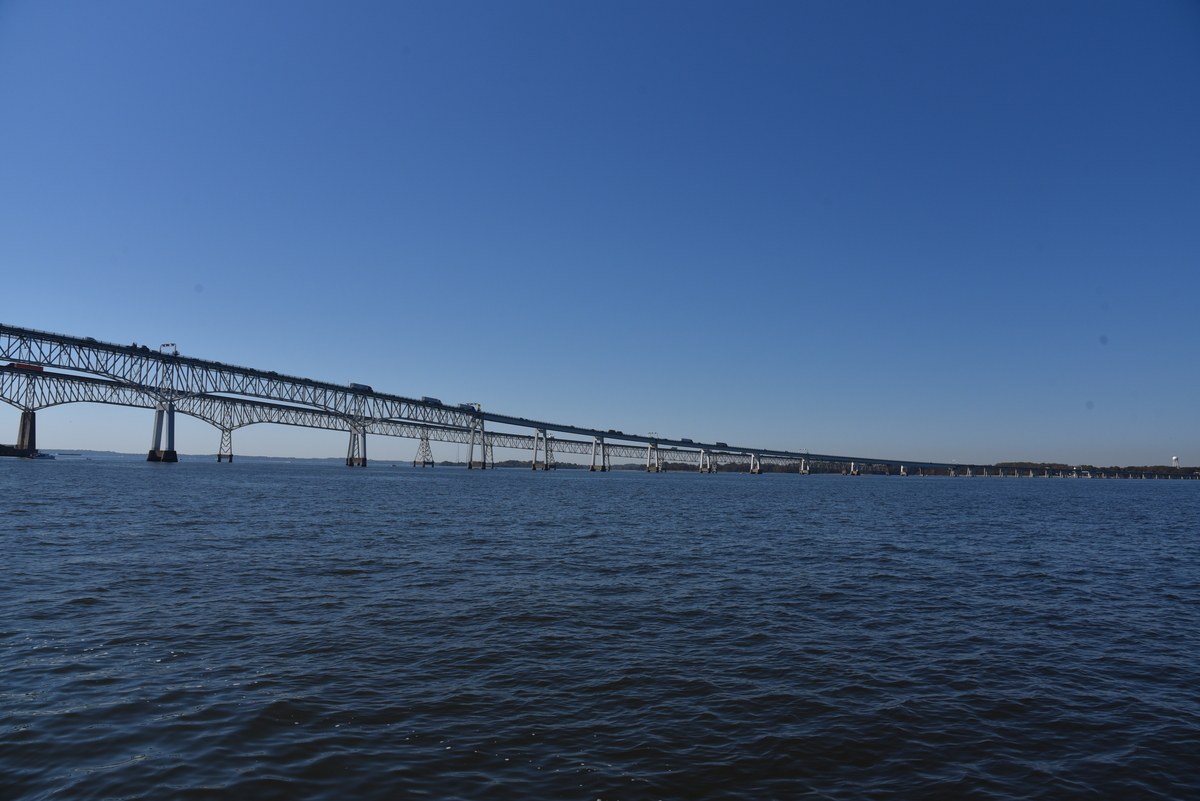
(41,370)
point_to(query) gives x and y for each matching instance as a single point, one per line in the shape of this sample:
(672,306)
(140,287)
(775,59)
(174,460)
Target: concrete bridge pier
(356,454)
(157,452)
(653,459)
(547,463)
(755,465)
(477,430)
(27,433)
(603,466)
(804,469)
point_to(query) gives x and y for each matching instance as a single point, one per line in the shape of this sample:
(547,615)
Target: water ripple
(304,631)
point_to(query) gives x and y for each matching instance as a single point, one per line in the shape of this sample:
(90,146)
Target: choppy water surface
(295,631)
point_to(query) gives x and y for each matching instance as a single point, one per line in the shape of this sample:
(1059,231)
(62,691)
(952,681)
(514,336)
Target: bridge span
(39,370)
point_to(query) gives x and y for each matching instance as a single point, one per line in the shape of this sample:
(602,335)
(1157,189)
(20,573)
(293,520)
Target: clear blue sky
(918,230)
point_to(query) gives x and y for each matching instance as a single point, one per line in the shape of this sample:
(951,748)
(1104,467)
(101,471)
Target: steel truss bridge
(229,397)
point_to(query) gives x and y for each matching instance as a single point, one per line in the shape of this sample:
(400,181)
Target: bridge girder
(139,376)
(169,377)
(32,391)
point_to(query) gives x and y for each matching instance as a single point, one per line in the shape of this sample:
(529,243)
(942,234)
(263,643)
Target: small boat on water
(42,456)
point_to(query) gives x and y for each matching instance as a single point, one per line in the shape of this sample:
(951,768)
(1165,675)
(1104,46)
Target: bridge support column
(226,452)
(804,468)
(27,433)
(424,455)
(477,430)
(603,466)
(903,470)
(547,463)
(156,442)
(653,462)
(755,465)
(158,453)
(356,454)
(171,427)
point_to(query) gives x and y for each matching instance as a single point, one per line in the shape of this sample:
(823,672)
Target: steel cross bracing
(139,376)
(169,377)
(33,391)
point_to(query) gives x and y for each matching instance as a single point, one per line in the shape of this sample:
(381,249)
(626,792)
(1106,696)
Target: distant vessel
(42,456)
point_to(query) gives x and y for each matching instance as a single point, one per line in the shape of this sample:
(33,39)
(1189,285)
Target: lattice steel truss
(424,456)
(230,397)
(168,377)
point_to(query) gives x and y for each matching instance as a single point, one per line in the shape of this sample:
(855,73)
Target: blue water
(295,631)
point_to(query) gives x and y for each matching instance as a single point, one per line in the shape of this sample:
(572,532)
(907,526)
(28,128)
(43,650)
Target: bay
(312,631)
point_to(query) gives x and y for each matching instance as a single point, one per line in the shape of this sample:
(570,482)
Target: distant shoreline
(525,464)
